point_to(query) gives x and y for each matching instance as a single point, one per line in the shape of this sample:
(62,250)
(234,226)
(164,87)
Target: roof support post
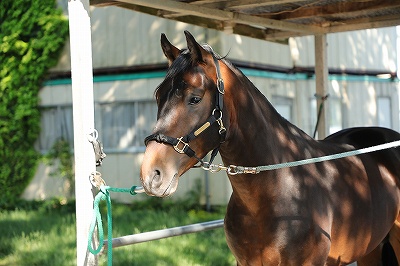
(321,82)
(83,114)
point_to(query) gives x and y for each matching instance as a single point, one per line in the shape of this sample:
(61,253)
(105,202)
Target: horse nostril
(156,178)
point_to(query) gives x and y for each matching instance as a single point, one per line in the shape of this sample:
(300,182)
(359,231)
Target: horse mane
(181,64)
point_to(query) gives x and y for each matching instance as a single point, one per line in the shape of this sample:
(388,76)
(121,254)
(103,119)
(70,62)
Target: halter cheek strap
(181,144)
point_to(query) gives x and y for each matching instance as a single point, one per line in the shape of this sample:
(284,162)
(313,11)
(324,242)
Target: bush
(60,155)
(32,34)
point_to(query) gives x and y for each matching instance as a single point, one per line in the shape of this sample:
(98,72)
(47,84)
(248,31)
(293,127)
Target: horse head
(189,119)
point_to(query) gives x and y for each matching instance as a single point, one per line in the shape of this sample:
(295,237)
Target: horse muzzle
(159,177)
(156,186)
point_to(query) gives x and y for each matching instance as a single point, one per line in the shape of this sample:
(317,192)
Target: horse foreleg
(385,254)
(394,239)
(372,259)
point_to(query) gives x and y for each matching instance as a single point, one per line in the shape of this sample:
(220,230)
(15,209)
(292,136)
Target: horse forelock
(176,69)
(179,66)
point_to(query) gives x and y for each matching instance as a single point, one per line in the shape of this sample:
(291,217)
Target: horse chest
(290,241)
(268,238)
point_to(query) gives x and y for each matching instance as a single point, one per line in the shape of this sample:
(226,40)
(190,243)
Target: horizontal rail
(164,233)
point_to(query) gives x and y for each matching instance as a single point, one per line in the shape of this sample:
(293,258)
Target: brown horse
(327,213)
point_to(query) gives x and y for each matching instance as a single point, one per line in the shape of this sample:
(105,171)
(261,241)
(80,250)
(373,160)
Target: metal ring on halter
(232,170)
(220,113)
(96,180)
(206,166)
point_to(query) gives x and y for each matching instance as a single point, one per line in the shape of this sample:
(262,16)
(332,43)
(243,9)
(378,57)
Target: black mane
(174,73)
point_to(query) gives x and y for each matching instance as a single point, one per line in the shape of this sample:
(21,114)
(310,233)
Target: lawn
(45,235)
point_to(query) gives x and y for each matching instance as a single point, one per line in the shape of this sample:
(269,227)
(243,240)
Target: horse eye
(194,100)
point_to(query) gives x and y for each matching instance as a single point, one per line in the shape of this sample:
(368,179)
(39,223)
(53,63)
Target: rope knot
(104,194)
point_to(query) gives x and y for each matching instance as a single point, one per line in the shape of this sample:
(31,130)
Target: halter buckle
(180,142)
(220,86)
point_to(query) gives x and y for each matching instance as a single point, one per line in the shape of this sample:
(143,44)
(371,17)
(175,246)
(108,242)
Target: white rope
(233,169)
(331,157)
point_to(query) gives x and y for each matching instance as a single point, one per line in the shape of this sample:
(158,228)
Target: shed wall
(124,38)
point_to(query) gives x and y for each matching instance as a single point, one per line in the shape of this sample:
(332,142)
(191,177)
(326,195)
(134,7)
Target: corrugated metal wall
(124,38)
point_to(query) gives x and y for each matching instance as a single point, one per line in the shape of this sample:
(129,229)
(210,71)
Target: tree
(32,35)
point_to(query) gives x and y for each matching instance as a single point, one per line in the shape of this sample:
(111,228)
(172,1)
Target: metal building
(128,65)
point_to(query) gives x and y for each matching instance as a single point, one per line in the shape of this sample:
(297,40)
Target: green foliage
(32,34)
(56,204)
(60,156)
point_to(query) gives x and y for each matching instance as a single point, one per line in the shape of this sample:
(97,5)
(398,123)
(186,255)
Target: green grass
(46,235)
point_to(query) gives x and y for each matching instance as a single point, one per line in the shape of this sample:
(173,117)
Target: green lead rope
(104,194)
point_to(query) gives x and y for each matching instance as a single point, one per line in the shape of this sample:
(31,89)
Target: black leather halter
(181,144)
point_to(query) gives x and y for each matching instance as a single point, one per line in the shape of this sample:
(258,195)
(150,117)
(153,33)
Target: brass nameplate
(201,129)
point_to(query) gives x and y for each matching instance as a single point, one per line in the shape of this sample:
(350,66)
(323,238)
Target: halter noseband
(181,144)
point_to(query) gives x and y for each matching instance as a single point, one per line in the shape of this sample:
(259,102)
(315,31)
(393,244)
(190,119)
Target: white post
(321,81)
(83,114)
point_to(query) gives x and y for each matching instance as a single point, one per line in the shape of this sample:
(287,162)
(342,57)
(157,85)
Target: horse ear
(197,52)
(170,51)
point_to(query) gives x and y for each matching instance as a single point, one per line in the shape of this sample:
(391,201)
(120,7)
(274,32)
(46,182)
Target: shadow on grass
(37,237)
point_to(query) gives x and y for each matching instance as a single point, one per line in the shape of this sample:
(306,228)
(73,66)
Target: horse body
(326,206)
(332,212)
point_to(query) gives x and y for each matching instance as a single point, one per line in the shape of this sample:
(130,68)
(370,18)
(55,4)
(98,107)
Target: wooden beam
(271,28)
(207,2)
(321,82)
(276,35)
(246,4)
(261,34)
(231,17)
(340,9)
(363,24)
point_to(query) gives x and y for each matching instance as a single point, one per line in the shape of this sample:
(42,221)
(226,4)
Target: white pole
(83,114)
(321,81)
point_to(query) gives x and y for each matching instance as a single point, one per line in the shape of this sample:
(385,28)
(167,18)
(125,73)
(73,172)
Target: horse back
(364,137)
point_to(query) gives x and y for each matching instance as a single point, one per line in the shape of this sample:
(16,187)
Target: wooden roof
(273,20)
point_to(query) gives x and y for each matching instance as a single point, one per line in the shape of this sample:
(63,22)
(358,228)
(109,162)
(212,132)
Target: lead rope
(234,170)
(104,194)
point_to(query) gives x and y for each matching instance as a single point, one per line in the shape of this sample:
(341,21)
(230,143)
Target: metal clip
(250,170)
(236,170)
(97,147)
(96,180)
(216,168)
(213,168)
(222,128)
(220,86)
(180,141)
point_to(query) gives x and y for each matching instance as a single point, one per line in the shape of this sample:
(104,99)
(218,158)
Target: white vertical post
(321,81)
(83,114)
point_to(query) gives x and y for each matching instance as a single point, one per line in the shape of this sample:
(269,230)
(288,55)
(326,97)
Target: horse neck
(256,133)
